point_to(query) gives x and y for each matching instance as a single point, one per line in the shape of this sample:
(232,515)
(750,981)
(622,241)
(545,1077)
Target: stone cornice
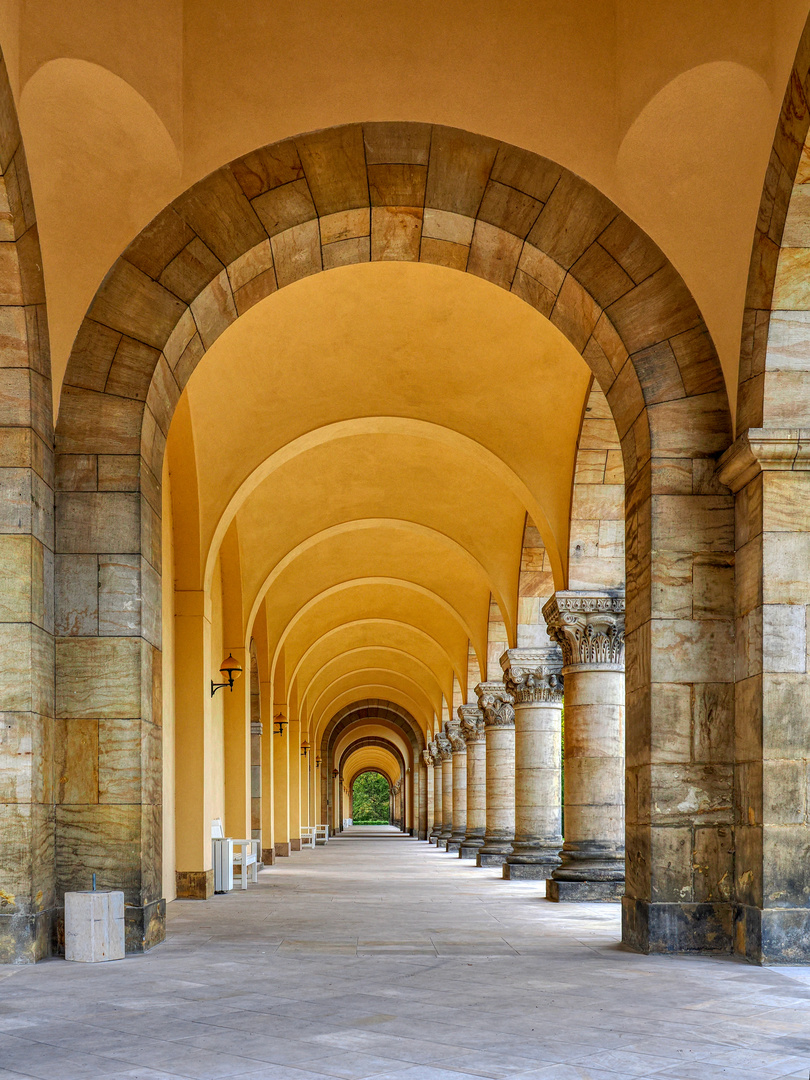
(444,746)
(764,450)
(452,729)
(534,676)
(496,703)
(472,723)
(589,627)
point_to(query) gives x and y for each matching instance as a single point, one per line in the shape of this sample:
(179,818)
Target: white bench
(226,859)
(307,836)
(321,834)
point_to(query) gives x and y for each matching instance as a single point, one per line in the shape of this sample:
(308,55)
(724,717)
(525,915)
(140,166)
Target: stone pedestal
(436,757)
(94,926)
(472,728)
(495,703)
(446,754)
(532,677)
(452,730)
(589,626)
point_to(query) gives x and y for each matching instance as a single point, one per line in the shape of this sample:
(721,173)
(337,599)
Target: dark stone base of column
(295,844)
(676,928)
(452,845)
(490,858)
(422,835)
(268,856)
(144,927)
(441,843)
(526,871)
(574,891)
(469,850)
(433,839)
(25,939)
(194,884)
(282,850)
(772,935)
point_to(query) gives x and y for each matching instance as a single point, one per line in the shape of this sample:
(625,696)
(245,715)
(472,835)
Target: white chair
(321,834)
(307,836)
(226,859)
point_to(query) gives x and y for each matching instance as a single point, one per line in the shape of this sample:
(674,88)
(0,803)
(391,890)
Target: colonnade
(530,777)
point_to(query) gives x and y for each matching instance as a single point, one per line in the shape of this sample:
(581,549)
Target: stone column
(499,718)
(472,728)
(459,747)
(446,753)
(256,782)
(426,815)
(437,792)
(532,677)
(589,626)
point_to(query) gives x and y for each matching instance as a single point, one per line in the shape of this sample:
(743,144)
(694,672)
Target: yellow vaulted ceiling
(375,437)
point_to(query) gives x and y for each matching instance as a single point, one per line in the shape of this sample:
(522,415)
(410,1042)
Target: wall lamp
(304,749)
(278,723)
(230,669)
(317,763)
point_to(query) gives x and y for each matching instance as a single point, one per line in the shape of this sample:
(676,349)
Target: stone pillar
(256,782)
(499,718)
(532,677)
(459,747)
(426,812)
(436,757)
(589,626)
(446,753)
(472,728)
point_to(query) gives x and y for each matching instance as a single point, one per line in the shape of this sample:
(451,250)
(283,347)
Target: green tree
(370,799)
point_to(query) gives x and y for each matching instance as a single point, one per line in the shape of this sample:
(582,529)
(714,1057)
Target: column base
(676,928)
(295,844)
(490,858)
(526,871)
(422,835)
(441,843)
(453,845)
(25,939)
(268,856)
(194,884)
(433,840)
(574,891)
(145,927)
(469,849)
(282,850)
(772,935)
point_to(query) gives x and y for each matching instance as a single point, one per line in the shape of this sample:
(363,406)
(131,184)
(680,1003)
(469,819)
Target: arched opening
(372,799)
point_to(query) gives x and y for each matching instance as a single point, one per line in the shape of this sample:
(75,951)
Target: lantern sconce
(317,763)
(335,774)
(304,748)
(230,670)
(278,723)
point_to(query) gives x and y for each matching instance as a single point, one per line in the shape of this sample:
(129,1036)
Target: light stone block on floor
(94,926)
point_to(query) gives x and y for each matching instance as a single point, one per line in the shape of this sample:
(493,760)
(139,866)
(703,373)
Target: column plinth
(495,703)
(474,733)
(446,754)
(533,678)
(589,627)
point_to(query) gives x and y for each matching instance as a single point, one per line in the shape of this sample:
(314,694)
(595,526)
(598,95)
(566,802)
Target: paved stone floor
(382,956)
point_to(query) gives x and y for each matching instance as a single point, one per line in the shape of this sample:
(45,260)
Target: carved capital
(764,450)
(496,703)
(445,747)
(452,729)
(427,757)
(534,675)
(472,723)
(435,756)
(589,627)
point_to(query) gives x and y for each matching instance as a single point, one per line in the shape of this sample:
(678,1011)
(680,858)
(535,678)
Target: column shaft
(446,752)
(472,727)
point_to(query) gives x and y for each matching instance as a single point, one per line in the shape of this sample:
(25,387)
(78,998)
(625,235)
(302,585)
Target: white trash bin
(94,926)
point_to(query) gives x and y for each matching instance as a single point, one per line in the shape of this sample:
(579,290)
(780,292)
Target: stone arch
(767,468)
(433,194)
(372,740)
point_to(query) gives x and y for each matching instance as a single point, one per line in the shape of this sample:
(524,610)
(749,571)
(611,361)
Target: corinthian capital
(445,748)
(452,729)
(534,675)
(589,626)
(435,756)
(472,723)
(496,703)
(427,757)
